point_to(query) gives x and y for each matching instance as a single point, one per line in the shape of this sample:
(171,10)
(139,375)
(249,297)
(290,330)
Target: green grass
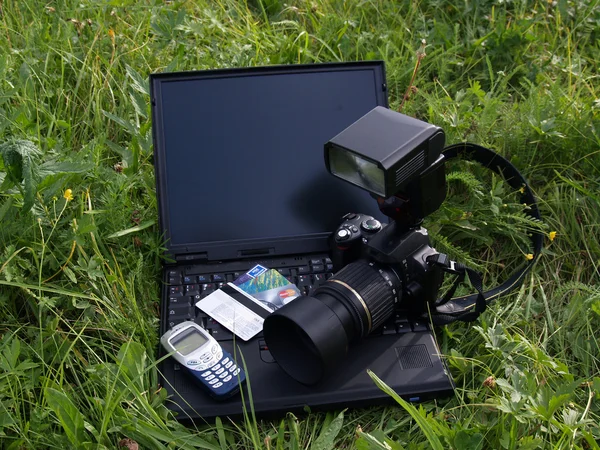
(79,278)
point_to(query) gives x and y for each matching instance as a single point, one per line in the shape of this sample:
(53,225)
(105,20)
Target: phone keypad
(208,359)
(221,373)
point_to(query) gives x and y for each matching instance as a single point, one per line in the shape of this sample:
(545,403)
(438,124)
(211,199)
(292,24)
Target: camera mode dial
(371,225)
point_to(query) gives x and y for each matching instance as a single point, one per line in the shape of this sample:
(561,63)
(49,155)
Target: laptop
(241,180)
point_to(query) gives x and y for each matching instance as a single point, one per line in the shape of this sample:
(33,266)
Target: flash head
(383,151)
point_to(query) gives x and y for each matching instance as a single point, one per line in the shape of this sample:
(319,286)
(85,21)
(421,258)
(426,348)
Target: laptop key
(207,289)
(284,272)
(303,269)
(218,277)
(317,268)
(229,277)
(174,276)
(174,300)
(204,279)
(192,289)
(190,279)
(402,326)
(419,326)
(318,279)
(175,320)
(303,280)
(175,291)
(315,262)
(184,310)
(388,329)
(221,333)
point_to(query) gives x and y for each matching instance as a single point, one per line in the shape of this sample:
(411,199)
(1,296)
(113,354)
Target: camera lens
(310,335)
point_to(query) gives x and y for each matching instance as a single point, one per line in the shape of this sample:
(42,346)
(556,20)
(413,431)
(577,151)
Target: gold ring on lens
(360,299)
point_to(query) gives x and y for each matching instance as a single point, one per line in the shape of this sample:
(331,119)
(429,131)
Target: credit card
(242,305)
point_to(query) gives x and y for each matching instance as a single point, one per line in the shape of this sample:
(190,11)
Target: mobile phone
(204,359)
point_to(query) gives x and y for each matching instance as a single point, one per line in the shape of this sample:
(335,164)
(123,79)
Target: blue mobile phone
(204,359)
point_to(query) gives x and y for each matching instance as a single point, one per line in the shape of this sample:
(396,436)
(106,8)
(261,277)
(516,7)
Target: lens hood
(307,338)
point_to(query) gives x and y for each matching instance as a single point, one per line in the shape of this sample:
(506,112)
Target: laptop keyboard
(188,285)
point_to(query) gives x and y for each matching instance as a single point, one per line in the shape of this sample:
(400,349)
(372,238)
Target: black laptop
(241,180)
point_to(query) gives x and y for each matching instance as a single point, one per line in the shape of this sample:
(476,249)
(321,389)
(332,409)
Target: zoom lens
(310,335)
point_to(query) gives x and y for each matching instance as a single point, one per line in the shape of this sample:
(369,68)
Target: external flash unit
(384,151)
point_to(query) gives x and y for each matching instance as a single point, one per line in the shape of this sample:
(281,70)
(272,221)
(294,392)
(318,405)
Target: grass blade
(69,416)
(422,422)
(327,437)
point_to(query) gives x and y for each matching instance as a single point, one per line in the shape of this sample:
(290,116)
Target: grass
(79,276)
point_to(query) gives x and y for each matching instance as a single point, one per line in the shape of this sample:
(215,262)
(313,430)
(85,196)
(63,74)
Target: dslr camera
(380,268)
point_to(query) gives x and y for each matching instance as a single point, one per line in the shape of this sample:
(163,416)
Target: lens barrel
(310,335)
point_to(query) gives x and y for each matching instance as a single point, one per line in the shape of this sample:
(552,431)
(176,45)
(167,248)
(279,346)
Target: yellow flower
(552,235)
(529,256)
(68,195)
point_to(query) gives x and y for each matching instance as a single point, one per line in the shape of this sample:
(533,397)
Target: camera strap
(443,262)
(467,308)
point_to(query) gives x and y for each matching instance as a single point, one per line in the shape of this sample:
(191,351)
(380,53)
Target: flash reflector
(357,170)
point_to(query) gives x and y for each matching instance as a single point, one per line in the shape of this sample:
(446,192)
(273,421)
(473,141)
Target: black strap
(443,262)
(468,307)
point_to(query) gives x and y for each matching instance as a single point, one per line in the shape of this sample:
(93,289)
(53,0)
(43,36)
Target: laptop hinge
(192,257)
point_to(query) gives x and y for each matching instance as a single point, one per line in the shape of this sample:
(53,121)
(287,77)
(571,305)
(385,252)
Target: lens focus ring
(369,291)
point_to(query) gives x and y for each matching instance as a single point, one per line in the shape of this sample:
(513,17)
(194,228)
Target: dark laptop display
(241,179)
(243,155)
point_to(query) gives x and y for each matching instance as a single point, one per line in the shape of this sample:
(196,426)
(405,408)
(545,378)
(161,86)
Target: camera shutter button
(371,225)
(342,234)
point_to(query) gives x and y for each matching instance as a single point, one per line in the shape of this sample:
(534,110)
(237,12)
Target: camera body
(403,251)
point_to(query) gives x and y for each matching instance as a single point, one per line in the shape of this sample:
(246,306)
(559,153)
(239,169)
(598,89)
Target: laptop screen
(241,152)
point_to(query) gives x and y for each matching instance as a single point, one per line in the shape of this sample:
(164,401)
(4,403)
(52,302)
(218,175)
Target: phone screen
(188,341)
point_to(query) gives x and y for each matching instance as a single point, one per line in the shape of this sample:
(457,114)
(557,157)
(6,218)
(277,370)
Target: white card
(232,315)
